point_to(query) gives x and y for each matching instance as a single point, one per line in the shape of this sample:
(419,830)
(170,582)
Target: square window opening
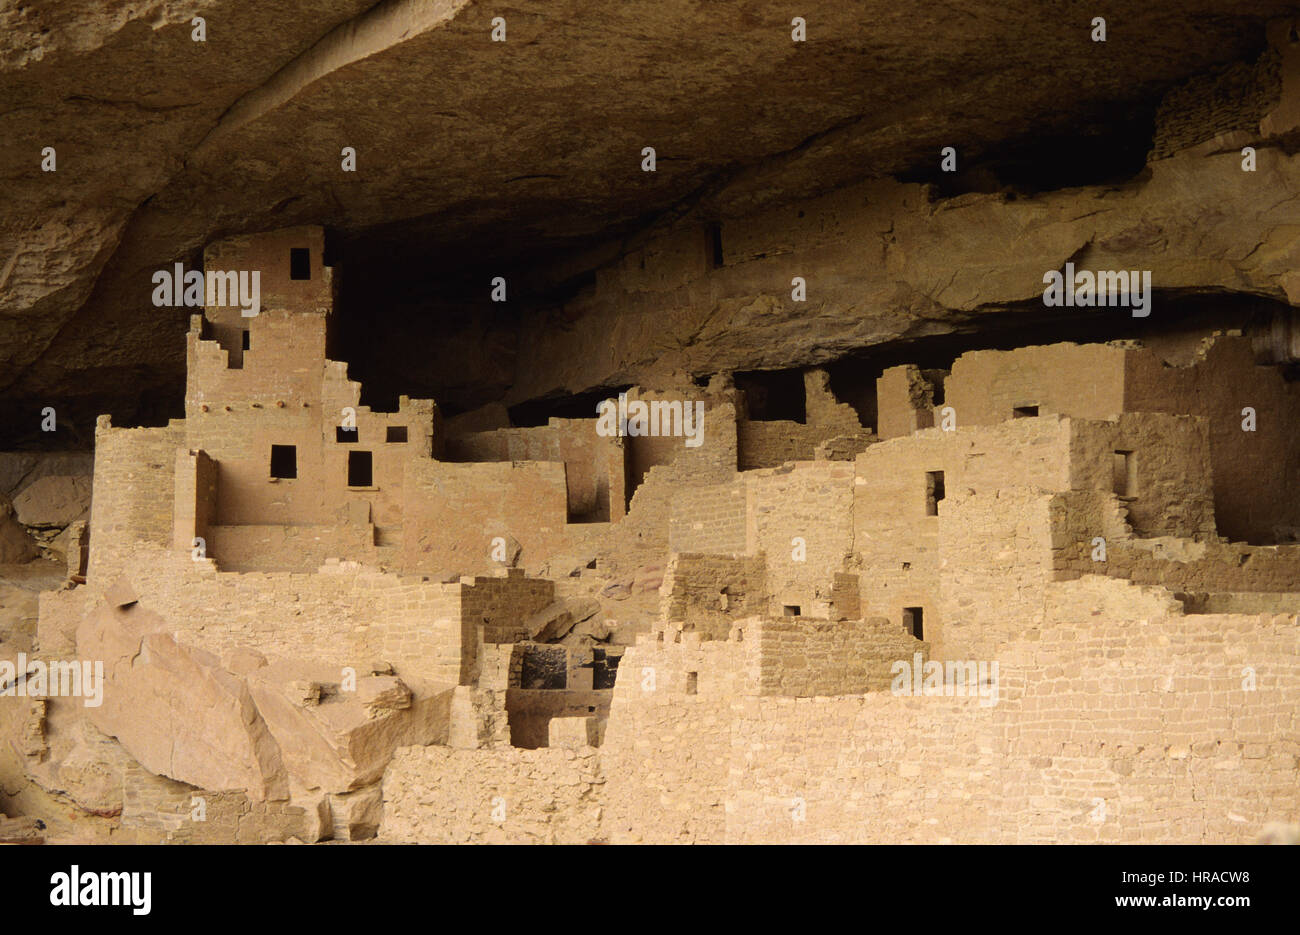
(1124,474)
(284,461)
(299,263)
(934,492)
(790,610)
(913,622)
(345,435)
(360,469)
(1024,412)
(395,434)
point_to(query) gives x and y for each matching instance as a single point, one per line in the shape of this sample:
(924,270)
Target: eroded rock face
(245,723)
(176,709)
(244,132)
(343,740)
(16,546)
(55,500)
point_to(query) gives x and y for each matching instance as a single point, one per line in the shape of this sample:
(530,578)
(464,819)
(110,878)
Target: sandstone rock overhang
(466,145)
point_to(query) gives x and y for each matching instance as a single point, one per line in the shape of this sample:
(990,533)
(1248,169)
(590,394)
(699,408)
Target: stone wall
(1107,727)
(1206,106)
(801,520)
(1254,471)
(455,511)
(705,592)
(1205,566)
(437,795)
(133,491)
(594,465)
(805,658)
(709,519)
(1085,381)
(158,810)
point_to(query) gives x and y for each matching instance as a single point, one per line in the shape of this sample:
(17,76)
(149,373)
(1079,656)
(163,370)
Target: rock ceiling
(469,148)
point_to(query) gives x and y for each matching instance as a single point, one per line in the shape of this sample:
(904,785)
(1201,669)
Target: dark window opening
(246,347)
(715,246)
(284,461)
(360,465)
(790,610)
(345,435)
(299,263)
(1124,474)
(604,669)
(1024,412)
(539,412)
(692,683)
(912,622)
(933,492)
(544,668)
(395,433)
(936,379)
(774,395)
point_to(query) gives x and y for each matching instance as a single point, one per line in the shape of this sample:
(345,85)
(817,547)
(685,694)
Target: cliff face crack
(382,26)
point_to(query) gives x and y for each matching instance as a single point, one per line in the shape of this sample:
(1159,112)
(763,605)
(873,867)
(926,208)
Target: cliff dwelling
(740,457)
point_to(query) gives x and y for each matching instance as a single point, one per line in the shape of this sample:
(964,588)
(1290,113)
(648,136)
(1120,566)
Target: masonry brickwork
(1051,595)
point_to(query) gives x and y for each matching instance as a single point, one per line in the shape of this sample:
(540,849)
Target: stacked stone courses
(396,627)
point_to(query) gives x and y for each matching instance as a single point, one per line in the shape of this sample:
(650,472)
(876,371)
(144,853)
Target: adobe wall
(287,394)
(269,253)
(1206,566)
(285,363)
(1206,106)
(1081,380)
(904,402)
(803,658)
(501,603)
(1123,723)
(646,527)
(1255,473)
(438,795)
(1100,735)
(800,517)
(705,593)
(454,511)
(132,496)
(299,548)
(342,614)
(995,554)
(710,519)
(646,452)
(772,443)
(194,506)
(530,712)
(1099,381)
(765,444)
(594,465)
(1170,463)
(667,753)
(984,521)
